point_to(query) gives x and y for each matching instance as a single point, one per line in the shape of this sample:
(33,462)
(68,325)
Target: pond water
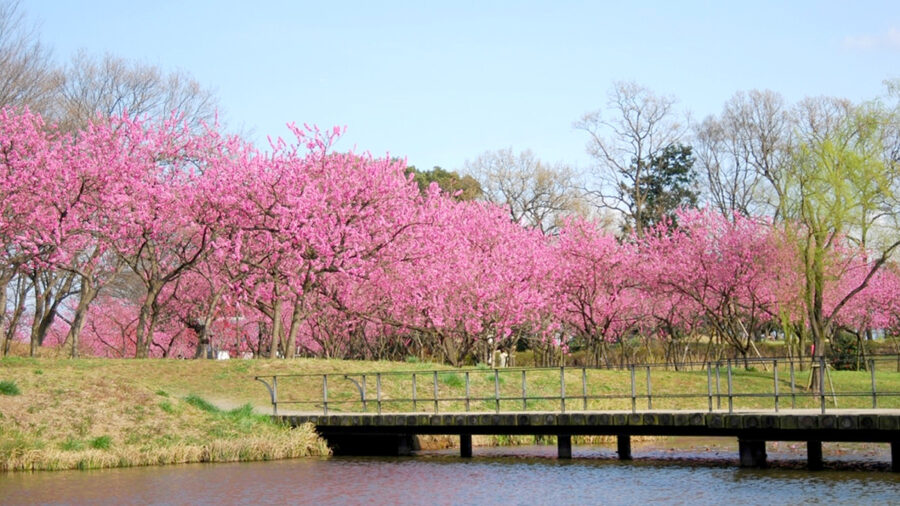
(693,472)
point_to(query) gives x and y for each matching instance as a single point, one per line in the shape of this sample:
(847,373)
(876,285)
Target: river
(677,472)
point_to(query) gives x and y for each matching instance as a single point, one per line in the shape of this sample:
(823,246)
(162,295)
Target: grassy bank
(80,414)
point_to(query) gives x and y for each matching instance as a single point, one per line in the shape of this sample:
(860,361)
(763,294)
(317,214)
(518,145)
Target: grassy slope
(107,413)
(102,413)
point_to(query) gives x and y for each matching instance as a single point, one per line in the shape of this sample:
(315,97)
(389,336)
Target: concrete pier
(814,455)
(752,453)
(623,446)
(564,446)
(465,446)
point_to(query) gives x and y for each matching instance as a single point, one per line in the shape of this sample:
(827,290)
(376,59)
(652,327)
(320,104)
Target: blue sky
(440,84)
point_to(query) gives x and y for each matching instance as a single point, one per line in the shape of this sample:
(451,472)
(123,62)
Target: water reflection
(509,475)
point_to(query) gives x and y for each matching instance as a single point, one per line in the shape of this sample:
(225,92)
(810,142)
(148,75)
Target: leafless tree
(536,193)
(113,85)
(743,153)
(637,128)
(27,77)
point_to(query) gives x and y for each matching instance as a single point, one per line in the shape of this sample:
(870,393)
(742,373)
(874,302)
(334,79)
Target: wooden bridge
(576,402)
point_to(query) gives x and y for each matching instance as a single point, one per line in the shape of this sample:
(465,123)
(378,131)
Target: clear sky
(439,83)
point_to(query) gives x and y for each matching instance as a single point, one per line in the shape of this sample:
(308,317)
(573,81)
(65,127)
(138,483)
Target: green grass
(201,404)
(72,444)
(101,443)
(9,388)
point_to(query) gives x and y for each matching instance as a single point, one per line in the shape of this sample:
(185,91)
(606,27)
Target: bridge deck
(367,433)
(798,425)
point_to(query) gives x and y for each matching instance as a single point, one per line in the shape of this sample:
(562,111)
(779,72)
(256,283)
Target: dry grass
(80,414)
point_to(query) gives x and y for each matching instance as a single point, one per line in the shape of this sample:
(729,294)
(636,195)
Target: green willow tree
(841,185)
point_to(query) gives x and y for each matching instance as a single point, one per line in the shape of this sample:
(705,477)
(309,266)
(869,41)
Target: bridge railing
(729,385)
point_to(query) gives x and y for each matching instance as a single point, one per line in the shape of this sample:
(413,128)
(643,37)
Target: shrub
(9,388)
(101,442)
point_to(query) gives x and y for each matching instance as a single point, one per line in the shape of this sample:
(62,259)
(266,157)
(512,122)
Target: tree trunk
(39,300)
(276,328)
(88,294)
(147,322)
(296,321)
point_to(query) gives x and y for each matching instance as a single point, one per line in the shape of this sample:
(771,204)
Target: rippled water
(512,475)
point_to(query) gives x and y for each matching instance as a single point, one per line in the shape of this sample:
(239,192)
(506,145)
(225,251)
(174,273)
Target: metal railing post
(822,382)
(414,396)
(718,386)
(649,391)
(467,391)
(496,389)
(435,392)
(364,401)
(874,391)
(793,392)
(378,391)
(775,380)
(730,398)
(633,392)
(584,387)
(325,394)
(709,384)
(524,393)
(562,389)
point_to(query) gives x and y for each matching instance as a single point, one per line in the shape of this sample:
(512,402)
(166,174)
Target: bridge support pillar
(564,446)
(814,455)
(623,446)
(895,456)
(752,452)
(465,446)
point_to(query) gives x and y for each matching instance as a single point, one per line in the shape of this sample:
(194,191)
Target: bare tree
(536,194)
(27,77)
(743,153)
(112,86)
(639,127)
